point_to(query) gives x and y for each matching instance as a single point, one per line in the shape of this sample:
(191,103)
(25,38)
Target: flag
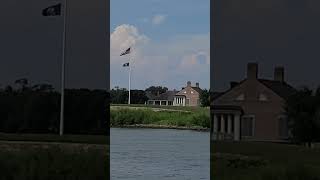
(126,52)
(52,10)
(125,64)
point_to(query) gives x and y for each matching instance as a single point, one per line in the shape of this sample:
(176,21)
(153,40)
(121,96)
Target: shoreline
(155,126)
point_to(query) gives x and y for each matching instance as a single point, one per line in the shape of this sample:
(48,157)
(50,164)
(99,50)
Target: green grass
(19,161)
(46,157)
(264,161)
(87,139)
(198,117)
(183,108)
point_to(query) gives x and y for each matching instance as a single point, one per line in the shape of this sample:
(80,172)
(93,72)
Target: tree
(204,98)
(155,90)
(302,109)
(43,87)
(138,97)
(8,89)
(23,83)
(119,96)
(37,108)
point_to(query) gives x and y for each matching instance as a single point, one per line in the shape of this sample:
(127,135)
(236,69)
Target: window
(192,92)
(185,92)
(240,97)
(283,126)
(263,97)
(247,125)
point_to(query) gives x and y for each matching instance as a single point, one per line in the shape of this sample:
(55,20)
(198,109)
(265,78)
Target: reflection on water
(155,154)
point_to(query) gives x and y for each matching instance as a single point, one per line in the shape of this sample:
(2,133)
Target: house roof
(199,90)
(215,95)
(150,95)
(169,95)
(282,89)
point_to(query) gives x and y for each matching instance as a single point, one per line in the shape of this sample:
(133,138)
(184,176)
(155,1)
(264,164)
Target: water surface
(155,154)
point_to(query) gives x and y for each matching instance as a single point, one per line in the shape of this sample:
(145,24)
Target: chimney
(189,84)
(279,74)
(252,71)
(233,84)
(197,85)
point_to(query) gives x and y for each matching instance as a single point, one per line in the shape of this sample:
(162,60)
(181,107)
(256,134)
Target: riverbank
(158,117)
(155,126)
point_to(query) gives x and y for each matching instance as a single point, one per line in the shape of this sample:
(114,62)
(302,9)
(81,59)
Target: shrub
(201,119)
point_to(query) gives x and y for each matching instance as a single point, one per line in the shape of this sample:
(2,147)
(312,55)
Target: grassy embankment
(46,157)
(156,116)
(264,161)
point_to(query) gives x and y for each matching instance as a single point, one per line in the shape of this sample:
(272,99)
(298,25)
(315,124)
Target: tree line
(36,109)
(120,95)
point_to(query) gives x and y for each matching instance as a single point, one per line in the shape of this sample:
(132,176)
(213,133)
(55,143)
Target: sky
(170,39)
(278,32)
(170,42)
(31,45)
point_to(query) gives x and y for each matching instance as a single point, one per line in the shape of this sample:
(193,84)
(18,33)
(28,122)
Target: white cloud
(125,36)
(158,19)
(170,63)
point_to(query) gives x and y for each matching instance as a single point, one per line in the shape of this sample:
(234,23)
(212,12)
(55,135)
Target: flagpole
(129,79)
(63,69)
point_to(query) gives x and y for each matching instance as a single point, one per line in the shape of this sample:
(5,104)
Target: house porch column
(237,127)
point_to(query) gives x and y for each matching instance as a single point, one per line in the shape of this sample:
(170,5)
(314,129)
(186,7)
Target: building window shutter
(247,126)
(283,127)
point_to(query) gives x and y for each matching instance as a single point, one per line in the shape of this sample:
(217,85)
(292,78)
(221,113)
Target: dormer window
(263,97)
(240,97)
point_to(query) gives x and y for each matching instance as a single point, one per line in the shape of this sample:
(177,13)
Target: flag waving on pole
(126,52)
(52,10)
(125,64)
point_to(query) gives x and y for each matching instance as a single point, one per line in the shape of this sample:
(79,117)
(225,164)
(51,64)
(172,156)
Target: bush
(125,116)
(201,119)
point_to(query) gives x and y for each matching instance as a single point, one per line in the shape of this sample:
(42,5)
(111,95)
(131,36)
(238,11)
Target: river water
(155,154)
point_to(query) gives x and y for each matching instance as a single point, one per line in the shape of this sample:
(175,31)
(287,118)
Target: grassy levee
(51,157)
(87,139)
(183,108)
(264,161)
(186,117)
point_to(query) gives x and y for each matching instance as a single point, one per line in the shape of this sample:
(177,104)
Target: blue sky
(170,40)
